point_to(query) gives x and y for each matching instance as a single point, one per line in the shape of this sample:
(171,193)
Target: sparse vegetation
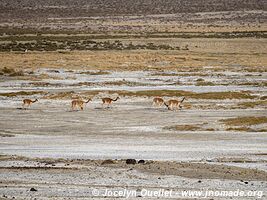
(95,73)
(252,104)
(22,93)
(164,74)
(167,93)
(258,84)
(42,84)
(244,121)
(6,70)
(84,84)
(73,43)
(204,83)
(17,73)
(71,95)
(60,95)
(124,82)
(188,127)
(224,95)
(206,95)
(193,73)
(259,69)
(6,135)
(11,72)
(245,129)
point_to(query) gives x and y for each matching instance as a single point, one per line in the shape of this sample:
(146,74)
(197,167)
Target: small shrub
(6,70)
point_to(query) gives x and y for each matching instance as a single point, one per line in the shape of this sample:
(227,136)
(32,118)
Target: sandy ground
(123,131)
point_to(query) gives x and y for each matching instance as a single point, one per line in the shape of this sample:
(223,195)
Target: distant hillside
(82,8)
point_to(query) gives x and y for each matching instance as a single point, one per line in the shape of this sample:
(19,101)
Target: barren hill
(83,8)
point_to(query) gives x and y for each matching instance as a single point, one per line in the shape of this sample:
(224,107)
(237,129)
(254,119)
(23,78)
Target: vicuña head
(116,99)
(79,103)
(88,100)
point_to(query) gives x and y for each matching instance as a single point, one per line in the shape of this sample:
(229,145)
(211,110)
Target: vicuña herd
(172,104)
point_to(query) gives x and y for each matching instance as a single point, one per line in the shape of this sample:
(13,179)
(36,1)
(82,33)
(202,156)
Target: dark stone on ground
(131,161)
(141,162)
(33,190)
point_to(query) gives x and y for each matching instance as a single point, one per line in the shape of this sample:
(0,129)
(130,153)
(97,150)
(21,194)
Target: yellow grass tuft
(244,121)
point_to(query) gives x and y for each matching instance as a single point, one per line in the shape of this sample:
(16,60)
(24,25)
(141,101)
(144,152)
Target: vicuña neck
(182,100)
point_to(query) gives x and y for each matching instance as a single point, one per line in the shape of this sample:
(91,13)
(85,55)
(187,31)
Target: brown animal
(157,101)
(174,104)
(79,103)
(108,101)
(28,102)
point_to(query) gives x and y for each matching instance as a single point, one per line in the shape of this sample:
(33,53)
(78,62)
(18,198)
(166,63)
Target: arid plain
(214,56)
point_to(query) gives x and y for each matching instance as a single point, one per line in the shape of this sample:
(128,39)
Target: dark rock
(141,162)
(131,161)
(33,190)
(53,71)
(199,181)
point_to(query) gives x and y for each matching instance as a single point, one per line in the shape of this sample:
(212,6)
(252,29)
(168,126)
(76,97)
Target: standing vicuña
(28,102)
(157,101)
(79,103)
(108,101)
(174,104)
